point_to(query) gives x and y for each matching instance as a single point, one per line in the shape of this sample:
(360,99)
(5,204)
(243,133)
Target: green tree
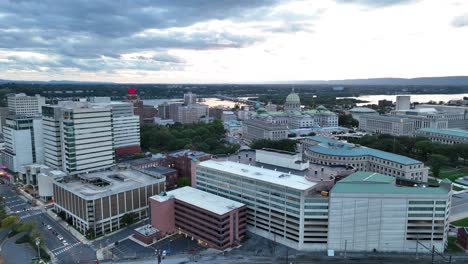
(26,227)
(347,120)
(128,219)
(183,181)
(284,144)
(437,161)
(90,233)
(10,221)
(424,149)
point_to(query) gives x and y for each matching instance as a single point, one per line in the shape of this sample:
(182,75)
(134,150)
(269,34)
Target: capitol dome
(293,102)
(293,98)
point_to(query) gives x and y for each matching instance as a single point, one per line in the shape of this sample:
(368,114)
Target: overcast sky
(175,41)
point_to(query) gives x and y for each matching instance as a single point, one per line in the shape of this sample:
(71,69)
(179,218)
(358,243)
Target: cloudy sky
(176,41)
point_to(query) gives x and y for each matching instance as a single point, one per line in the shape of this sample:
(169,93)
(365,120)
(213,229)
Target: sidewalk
(69,228)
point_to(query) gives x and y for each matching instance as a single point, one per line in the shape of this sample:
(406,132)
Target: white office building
(357,112)
(23,142)
(371,211)
(125,125)
(24,105)
(403,102)
(257,129)
(382,124)
(282,207)
(84,133)
(280,158)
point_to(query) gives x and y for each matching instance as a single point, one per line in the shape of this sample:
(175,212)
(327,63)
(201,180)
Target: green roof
(370,182)
(450,132)
(332,147)
(373,177)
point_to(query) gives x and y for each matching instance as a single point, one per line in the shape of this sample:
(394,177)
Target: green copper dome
(293,98)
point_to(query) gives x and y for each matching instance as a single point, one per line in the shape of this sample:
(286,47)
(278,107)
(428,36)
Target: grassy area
(452,173)
(462,222)
(456,188)
(452,247)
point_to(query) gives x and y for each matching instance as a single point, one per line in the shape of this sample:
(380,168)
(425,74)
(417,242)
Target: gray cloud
(81,33)
(376,3)
(460,21)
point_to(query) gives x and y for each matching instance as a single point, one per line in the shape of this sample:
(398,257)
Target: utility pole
(345,245)
(433,251)
(417,245)
(38,242)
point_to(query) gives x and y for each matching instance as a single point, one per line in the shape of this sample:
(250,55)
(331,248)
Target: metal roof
(332,147)
(370,182)
(448,132)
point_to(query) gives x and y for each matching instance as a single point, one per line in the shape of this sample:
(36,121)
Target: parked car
(49,227)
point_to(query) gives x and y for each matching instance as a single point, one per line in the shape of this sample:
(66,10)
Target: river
(419,98)
(211,102)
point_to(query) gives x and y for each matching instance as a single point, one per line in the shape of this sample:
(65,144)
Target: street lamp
(38,242)
(158,255)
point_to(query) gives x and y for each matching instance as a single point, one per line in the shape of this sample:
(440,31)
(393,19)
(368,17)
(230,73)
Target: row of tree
(203,137)
(284,144)
(433,153)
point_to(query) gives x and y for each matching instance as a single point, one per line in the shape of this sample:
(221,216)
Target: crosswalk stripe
(66,249)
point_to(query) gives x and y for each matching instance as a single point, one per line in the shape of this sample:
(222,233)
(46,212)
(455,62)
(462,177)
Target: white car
(49,227)
(65,243)
(60,237)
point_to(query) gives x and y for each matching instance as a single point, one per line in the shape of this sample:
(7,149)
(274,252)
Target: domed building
(295,118)
(293,102)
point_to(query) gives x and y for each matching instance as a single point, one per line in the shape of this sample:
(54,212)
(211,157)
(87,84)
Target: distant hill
(423,81)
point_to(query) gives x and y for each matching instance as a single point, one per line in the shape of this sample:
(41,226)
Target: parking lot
(174,245)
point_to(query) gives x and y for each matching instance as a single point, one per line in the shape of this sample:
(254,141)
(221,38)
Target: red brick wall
(127,150)
(462,238)
(163,216)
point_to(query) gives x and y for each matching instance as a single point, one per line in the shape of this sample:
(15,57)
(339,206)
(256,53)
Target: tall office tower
(190,98)
(23,131)
(23,105)
(403,102)
(125,125)
(23,142)
(86,139)
(52,129)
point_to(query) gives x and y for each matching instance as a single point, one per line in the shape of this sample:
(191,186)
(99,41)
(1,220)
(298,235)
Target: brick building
(213,220)
(462,237)
(183,161)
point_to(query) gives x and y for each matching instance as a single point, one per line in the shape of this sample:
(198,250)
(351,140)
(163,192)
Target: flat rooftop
(260,174)
(161,169)
(371,182)
(448,132)
(101,184)
(208,201)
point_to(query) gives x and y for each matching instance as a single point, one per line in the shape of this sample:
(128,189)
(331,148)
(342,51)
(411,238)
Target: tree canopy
(433,153)
(284,144)
(203,137)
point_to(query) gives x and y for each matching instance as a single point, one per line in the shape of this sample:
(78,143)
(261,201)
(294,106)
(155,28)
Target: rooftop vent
(118,177)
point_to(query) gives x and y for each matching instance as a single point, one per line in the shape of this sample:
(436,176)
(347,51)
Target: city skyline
(231,41)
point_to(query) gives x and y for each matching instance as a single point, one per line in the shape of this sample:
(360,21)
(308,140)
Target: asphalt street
(74,252)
